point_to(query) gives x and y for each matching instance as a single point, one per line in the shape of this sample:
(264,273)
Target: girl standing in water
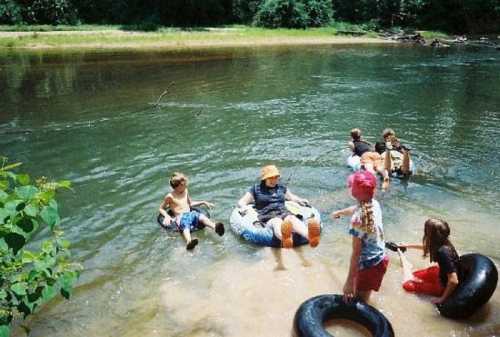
(368,262)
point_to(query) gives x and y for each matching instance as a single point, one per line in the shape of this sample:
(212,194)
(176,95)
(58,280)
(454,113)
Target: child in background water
(438,280)
(184,217)
(368,262)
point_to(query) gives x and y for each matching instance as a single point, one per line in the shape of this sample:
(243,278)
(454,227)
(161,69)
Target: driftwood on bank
(461,40)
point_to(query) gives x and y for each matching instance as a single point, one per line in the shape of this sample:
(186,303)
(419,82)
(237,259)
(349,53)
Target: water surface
(93,118)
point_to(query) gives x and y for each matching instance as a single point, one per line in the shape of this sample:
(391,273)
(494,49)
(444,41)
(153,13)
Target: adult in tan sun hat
(269,197)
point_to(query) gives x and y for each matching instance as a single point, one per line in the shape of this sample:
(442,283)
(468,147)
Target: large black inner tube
(479,281)
(313,313)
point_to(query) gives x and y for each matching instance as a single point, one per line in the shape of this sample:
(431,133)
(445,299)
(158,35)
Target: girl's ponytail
(367,217)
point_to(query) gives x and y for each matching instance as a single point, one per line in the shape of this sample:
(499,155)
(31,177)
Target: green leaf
(31,210)
(23,179)
(47,246)
(25,307)
(46,196)
(19,288)
(48,293)
(3,245)
(3,294)
(4,331)
(28,257)
(26,224)
(4,185)
(53,204)
(15,241)
(65,184)
(26,192)
(65,293)
(68,280)
(64,244)
(3,215)
(12,205)
(20,206)
(3,195)
(50,216)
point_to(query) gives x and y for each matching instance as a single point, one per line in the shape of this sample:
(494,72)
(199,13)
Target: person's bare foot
(286,234)
(313,232)
(385,184)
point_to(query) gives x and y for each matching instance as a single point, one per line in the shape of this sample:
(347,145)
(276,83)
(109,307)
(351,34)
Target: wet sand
(237,298)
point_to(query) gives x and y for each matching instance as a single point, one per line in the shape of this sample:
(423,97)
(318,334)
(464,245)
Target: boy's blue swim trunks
(190,220)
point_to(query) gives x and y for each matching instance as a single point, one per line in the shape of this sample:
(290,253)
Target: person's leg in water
(364,295)
(283,231)
(190,243)
(407,267)
(372,162)
(311,232)
(405,167)
(217,227)
(424,281)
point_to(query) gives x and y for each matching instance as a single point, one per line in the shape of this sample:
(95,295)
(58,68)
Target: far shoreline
(115,39)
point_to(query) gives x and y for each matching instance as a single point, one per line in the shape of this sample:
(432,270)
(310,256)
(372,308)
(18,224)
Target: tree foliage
(30,274)
(448,15)
(293,13)
(38,12)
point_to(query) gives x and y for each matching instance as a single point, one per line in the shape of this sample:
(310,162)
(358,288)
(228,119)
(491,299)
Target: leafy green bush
(30,275)
(281,13)
(319,12)
(54,12)
(10,12)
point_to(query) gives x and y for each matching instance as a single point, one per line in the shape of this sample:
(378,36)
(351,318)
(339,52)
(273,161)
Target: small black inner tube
(312,314)
(479,281)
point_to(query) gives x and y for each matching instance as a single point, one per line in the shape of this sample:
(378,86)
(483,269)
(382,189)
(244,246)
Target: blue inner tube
(480,277)
(313,313)
(248,227)
(173,227)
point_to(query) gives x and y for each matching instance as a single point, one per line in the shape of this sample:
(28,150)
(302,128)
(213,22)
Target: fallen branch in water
(164,93)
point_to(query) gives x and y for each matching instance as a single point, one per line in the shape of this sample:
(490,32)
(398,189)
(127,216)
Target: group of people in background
(368,261)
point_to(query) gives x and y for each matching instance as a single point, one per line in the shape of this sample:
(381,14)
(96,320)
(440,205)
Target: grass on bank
(115,36)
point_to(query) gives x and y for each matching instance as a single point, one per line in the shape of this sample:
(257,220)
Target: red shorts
(371,278)
(426,281)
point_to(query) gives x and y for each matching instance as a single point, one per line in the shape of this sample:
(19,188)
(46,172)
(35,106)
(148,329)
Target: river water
(96,119)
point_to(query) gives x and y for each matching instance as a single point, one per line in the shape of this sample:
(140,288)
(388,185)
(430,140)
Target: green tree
(245,10)
(30,274)
(281,13)
(10,12)
(293,13)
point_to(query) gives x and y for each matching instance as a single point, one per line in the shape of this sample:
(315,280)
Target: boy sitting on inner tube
(185,218)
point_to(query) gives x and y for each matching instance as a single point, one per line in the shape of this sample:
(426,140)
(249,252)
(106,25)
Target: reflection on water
(92,118)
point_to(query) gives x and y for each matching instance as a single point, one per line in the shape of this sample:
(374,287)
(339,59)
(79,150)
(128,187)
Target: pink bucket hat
(362,185)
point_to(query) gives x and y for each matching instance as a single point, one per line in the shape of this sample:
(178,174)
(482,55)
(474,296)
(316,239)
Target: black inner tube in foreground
(312,314)
(479,281)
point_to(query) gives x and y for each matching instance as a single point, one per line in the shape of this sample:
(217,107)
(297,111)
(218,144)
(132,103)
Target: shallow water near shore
(96,118)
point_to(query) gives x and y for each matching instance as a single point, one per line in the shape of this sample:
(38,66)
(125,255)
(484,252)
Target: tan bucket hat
(269,171)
